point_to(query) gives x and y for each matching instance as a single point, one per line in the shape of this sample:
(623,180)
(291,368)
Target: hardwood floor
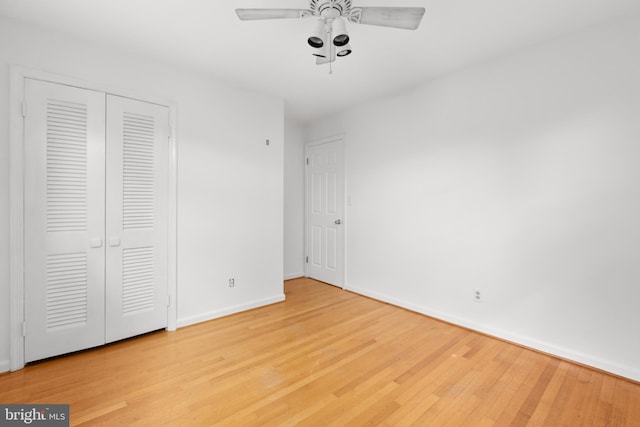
(325,357)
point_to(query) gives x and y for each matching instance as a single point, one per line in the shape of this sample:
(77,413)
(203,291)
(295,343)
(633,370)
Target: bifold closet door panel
(136,220)
(64,214)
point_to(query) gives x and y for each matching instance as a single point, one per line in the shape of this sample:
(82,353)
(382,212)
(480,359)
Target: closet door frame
(16,199)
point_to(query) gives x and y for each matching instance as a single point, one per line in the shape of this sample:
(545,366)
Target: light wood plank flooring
(325,357)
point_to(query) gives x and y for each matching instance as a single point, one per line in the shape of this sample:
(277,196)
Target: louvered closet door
(137,162)
(64,219)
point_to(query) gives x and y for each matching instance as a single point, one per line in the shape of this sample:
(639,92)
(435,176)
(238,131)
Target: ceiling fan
(329,37)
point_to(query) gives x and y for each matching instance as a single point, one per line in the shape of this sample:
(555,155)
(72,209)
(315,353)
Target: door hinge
(24,329)
(168,300)
(307,260)
(24,109)
(307,161)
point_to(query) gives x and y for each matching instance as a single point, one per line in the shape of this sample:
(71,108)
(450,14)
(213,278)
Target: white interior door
(324,235)
(64,219)
(137,188)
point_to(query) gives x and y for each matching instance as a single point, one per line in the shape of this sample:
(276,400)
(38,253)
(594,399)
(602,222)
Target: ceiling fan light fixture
(339,29)
(321,52)
(315,42)
(344,50)
(316,39)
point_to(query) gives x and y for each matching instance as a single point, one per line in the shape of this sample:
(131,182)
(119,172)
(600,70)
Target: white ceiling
(273,56)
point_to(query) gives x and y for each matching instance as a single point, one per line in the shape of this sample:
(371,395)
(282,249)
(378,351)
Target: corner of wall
(227,311)
(510,337)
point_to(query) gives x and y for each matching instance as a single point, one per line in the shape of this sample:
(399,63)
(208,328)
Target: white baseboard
(4,366)
(293,276)
(191,320)
(564,353)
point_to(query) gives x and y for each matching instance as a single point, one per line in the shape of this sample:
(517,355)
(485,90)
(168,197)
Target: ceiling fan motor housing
(330,9)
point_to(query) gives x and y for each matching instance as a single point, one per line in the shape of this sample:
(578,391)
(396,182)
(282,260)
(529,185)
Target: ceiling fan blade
(407,18)
(254,14)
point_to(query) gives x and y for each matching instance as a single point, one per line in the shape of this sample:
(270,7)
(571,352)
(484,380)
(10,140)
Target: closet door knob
(114,241)
(95,243)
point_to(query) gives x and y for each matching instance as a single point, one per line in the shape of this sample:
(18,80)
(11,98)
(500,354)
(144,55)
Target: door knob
(95,243)
(338,221)
(114,241)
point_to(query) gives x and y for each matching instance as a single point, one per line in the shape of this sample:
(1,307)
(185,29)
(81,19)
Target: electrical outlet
(232,282)
(477,296)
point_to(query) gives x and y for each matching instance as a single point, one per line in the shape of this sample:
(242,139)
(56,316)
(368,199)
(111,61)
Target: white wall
(230,183)
(293,199)
(518,177)
(4,205)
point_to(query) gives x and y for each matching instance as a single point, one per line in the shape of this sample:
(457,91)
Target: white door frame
(16,198)
(345,222)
